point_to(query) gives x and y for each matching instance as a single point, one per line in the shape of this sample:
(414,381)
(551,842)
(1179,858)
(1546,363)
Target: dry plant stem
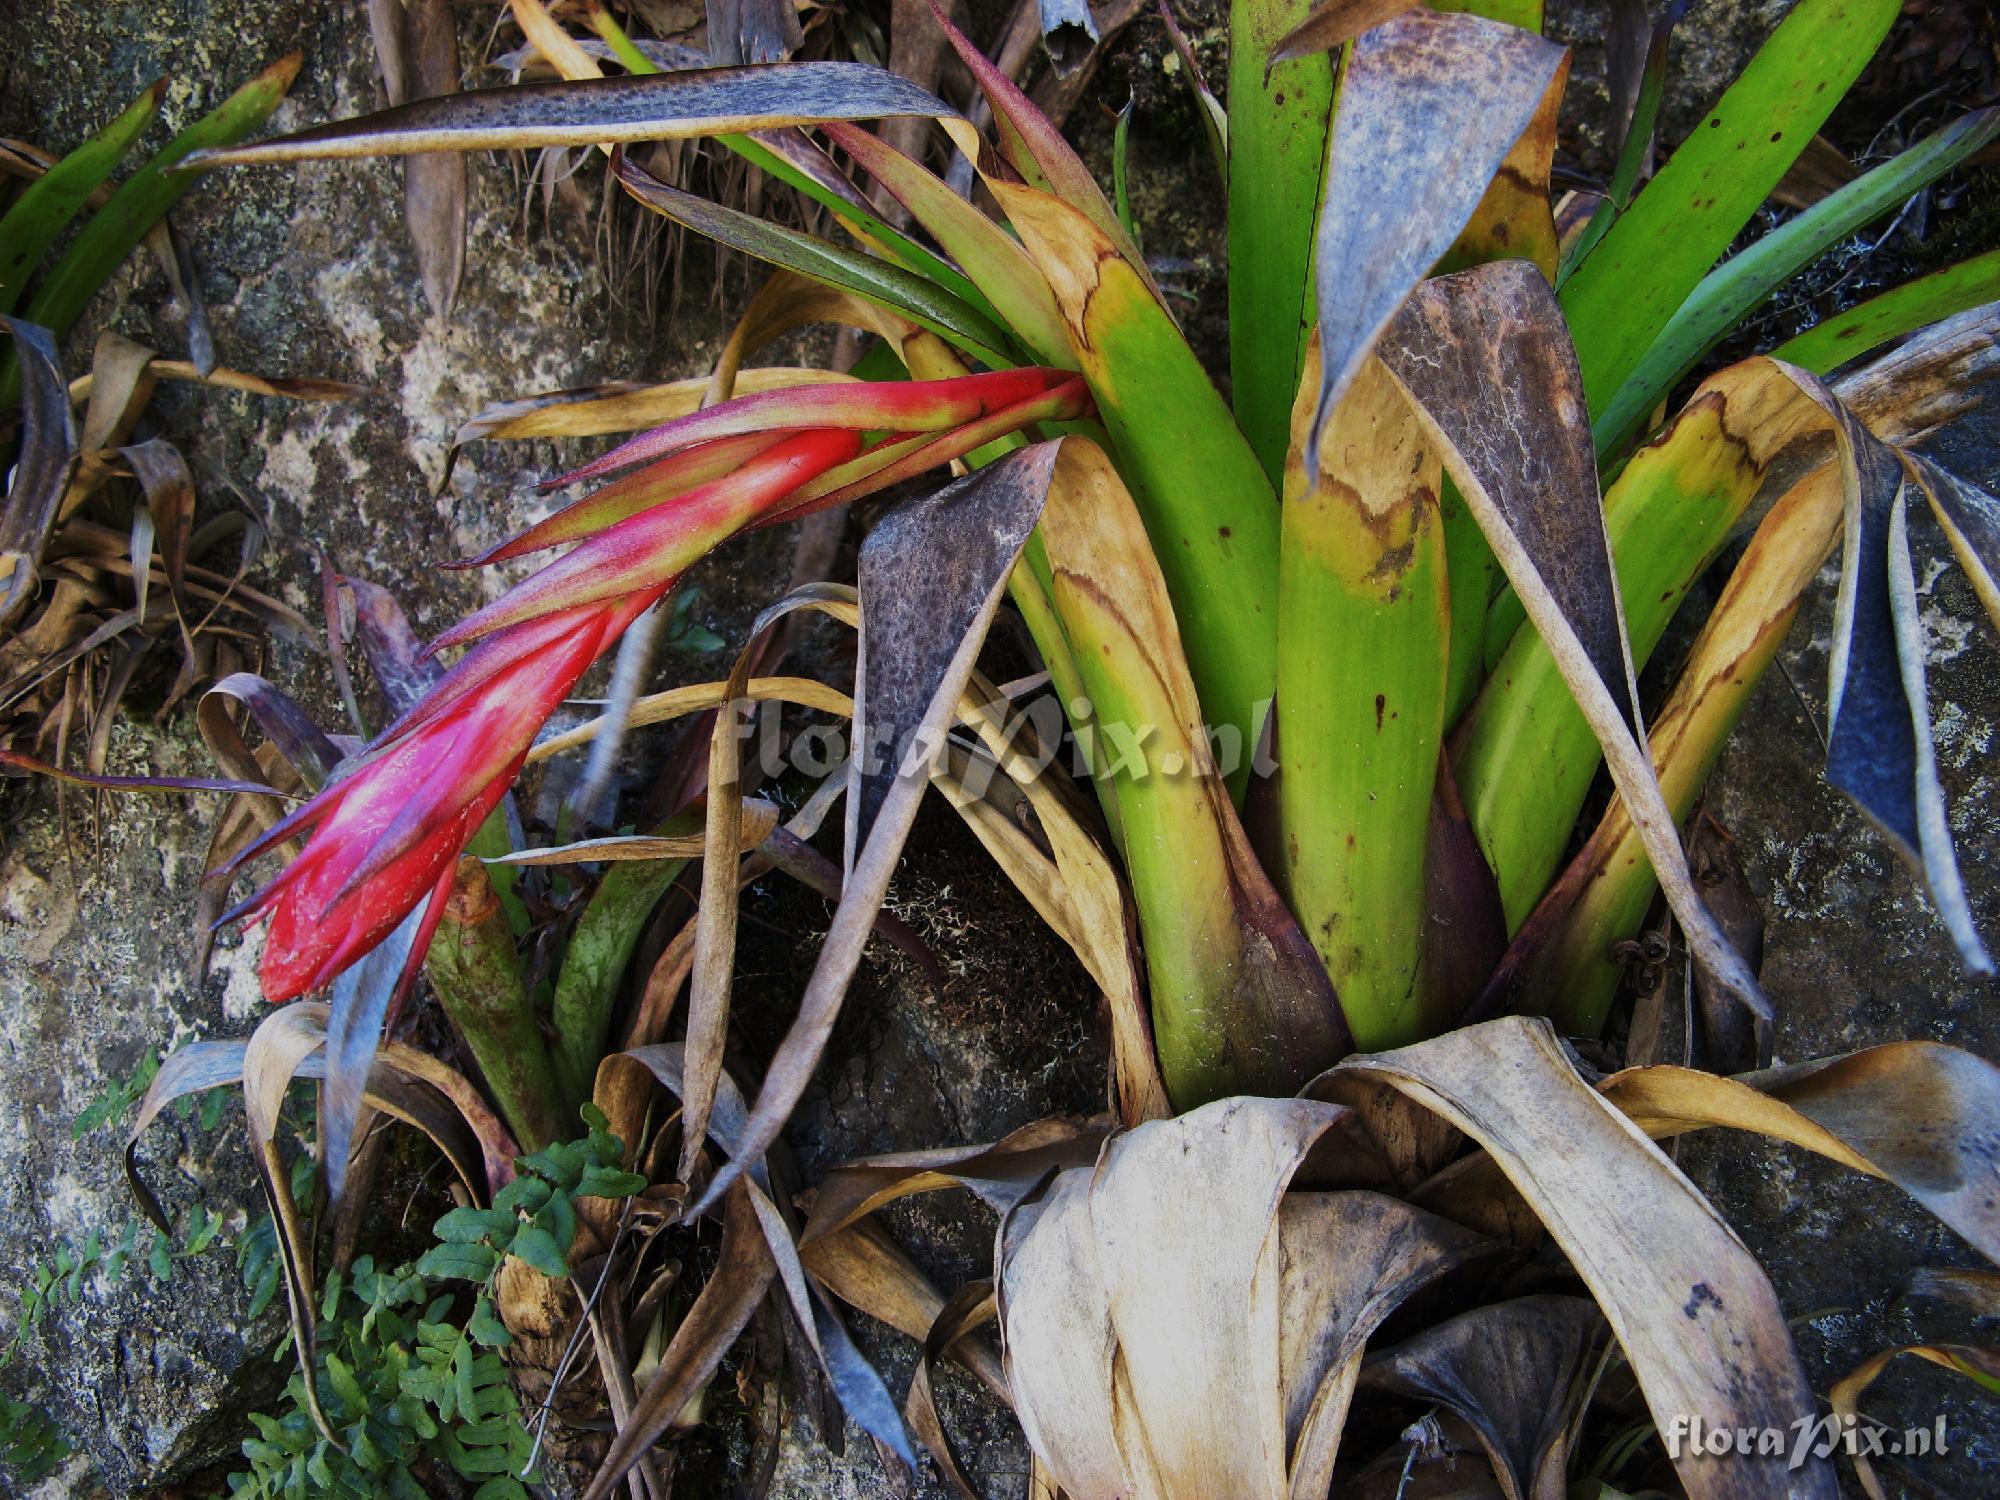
(477,979)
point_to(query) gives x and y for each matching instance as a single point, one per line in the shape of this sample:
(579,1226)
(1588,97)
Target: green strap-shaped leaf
(53,199)
(1363,625)
(1730,291)
(930,306)
(1279,115)
(1630,287)
(998,265)
(145,196)
(1901,310)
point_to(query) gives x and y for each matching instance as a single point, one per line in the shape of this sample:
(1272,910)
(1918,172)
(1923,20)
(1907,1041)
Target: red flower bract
(389,833)
(388,830)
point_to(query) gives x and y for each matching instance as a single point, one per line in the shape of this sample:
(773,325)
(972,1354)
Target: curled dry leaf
(287,1045)
(1922,1115)
(1692,1309)
(855,1382)
(912,672)
(40,472)
(1507,1371)
(1076,886)
(1177,1324)
(700,697)
(759,819)
(725,834)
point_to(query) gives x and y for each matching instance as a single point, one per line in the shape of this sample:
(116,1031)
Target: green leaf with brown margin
(1241,1003)
(1207,503)
(1363,631)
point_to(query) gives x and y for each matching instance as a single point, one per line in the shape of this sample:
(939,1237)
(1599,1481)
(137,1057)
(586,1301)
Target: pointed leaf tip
(604,111)
(1429,107)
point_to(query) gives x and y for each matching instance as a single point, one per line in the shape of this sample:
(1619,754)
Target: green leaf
(1278,123)
(1206,501)
(1891,314)
(1728,293)
(1004,275)
(949,316)
(52,200)
(459,1262)
(609,1182)
(841,200)
(345,1386)
(524,1195)
(470,1226)
(1361,726)
(561,1164)
(1121,198)
(147,195)
(204,1227)
(595,961)
(558,1220)
(538,1248)
(485,1327)
(1625,293)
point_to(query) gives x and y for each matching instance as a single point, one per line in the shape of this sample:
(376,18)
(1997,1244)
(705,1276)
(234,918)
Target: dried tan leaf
(1696,1317)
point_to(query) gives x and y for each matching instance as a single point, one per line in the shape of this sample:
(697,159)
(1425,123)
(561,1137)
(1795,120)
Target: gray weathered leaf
(659,106)
(753,31)
(932,573)
(1487,361)
(1507,1371)
(1430,105)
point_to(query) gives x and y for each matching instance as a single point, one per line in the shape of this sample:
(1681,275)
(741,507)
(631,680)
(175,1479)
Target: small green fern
(408,1369)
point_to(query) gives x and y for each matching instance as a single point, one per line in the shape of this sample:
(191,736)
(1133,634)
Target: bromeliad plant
(1410,570)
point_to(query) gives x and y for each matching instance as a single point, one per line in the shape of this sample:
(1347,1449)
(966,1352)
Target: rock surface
(1854,957)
